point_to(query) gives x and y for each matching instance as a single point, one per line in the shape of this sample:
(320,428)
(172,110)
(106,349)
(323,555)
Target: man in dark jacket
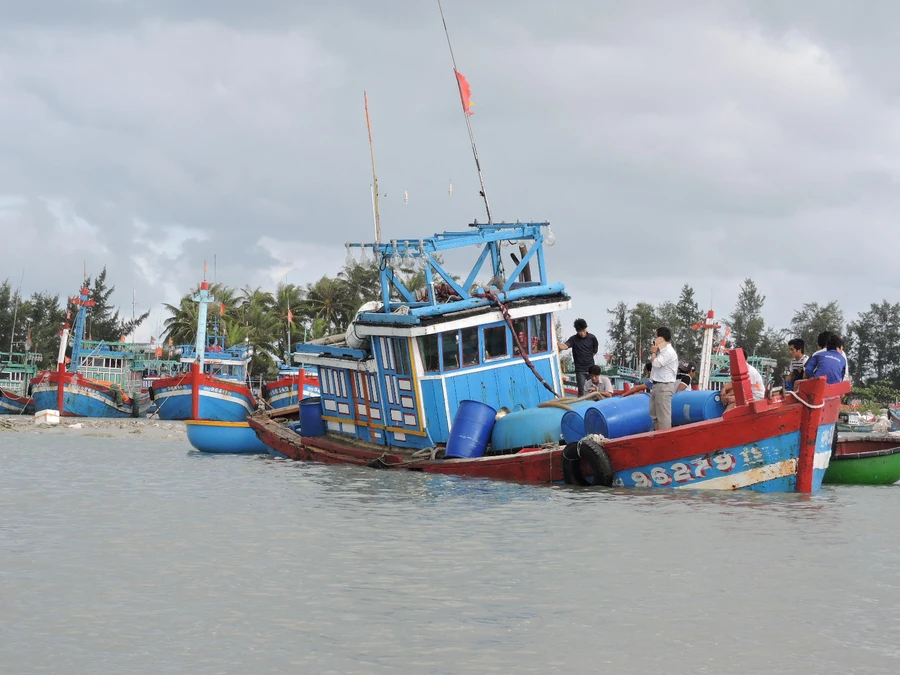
(584,346)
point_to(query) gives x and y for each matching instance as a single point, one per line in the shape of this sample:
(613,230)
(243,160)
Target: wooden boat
(102,379)
(213,383)
(865,459)
(894,417)
(852,422)
(768,446)
(233,438)
(389,400)
(16,372)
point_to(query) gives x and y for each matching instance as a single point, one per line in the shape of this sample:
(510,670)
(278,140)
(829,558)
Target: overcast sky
(667,143)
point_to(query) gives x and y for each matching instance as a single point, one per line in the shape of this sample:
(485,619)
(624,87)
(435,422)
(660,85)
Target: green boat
(864,459)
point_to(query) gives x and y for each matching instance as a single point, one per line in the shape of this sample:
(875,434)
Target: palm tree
(289,302)
(327,300)
(181,326)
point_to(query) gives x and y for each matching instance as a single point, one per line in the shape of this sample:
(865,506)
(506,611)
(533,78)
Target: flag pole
(374,175)
(466,113)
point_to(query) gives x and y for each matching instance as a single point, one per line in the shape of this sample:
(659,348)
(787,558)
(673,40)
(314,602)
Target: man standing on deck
(584,346)
(663,374)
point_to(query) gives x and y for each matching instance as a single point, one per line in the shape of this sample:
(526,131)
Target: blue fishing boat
(232,438)
(213,382)
(102,379)
(292,385)
(16,372)
(461,377)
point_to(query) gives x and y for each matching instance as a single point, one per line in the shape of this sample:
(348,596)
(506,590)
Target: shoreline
(97,427)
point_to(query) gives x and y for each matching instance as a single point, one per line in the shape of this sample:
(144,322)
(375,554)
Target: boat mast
(12,335)
(203,298)
(709,328)
(466,114)
(375,213)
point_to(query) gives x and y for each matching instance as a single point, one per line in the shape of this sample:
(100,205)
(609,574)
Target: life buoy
(578,453)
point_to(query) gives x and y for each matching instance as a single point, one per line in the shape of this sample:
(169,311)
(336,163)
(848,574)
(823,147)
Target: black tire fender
(586,450)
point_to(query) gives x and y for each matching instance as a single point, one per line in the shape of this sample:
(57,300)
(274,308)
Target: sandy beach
(97,428)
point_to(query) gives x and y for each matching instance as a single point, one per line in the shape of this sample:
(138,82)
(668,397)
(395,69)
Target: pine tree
(104,322)
(688,342)
(620,345)
(642,324)
(747,324)
(812,319)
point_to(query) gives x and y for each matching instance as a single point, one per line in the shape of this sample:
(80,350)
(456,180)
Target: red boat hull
(743,426)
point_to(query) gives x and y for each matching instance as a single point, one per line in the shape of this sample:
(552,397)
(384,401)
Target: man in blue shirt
(830,363)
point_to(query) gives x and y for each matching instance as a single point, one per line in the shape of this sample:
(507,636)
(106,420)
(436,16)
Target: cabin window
(428,346)
(538,333)
(470,347)
(401,357)
(450,349)
(495,342)
(520,330)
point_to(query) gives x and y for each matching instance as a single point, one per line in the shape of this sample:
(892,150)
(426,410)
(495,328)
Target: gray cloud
(667,144)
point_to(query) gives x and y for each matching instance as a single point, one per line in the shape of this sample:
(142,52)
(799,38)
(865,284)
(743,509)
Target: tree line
(251,316)
(871,341)
(34,323)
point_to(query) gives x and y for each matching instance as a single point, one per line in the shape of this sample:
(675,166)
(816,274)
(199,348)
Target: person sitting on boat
(646,383)
(829,363)
(757,386)
(663,374)
(598,382)
(584,347)
(685,377)
(796,370)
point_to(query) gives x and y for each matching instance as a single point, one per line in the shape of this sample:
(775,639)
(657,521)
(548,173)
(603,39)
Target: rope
(599,439)
(808,405)
(523,352)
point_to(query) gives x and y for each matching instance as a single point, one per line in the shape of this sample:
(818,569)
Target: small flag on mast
(290,316)
(221,309)
(465,93)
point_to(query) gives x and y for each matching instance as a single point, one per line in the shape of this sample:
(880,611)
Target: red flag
(221,309)
(290,316)
(465,93)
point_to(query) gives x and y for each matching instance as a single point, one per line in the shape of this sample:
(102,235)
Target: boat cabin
(224,363)
(113,362)
(401,370)
(17,369)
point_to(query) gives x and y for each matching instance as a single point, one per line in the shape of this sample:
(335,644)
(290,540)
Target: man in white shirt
(757,386)
(663,374)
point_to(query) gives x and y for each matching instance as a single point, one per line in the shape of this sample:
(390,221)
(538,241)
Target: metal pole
(374,175)
(487,206)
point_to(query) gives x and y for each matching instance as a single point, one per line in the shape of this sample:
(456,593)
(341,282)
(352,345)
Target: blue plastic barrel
(572,423)
(619,416)
(696,406)
(311,422)
(531,427)
(471,430)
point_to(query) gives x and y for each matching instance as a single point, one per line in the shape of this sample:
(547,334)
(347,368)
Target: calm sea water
(134,556)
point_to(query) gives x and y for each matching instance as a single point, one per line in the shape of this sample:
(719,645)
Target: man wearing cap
(685,376)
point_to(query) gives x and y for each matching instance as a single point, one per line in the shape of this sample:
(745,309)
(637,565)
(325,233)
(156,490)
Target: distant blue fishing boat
(232,438)
(285,392)
(16,372)
(213,383)
(102,379)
